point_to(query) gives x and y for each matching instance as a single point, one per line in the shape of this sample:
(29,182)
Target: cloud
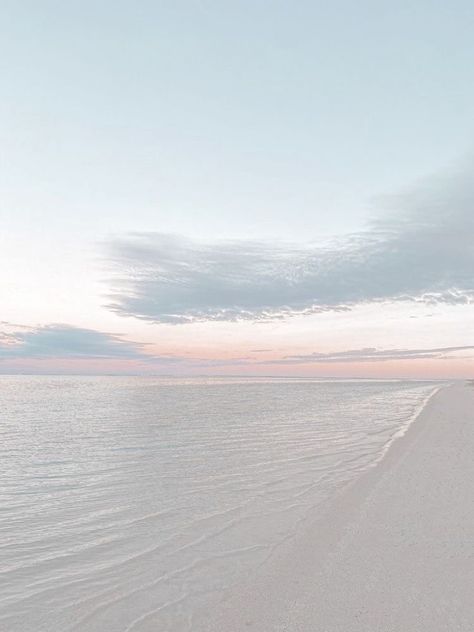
(371,354)
(66,341)
(420,249)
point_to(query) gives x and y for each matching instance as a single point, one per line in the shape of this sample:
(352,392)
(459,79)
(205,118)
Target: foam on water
(127,503)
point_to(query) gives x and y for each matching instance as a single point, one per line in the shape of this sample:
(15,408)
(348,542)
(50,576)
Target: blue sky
(260,139)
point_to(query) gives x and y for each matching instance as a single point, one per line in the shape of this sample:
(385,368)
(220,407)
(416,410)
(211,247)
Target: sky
(237,188)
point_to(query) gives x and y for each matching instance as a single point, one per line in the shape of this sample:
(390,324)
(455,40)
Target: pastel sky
(249,187)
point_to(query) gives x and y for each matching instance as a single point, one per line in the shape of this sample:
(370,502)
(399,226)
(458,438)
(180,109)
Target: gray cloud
(61,341)
(421,249)
(371,354)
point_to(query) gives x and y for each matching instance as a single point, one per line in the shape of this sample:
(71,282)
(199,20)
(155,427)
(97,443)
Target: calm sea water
(127,503)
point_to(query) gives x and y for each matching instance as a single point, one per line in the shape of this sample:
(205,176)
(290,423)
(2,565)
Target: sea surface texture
(128,503)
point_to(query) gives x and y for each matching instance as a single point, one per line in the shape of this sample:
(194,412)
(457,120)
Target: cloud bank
(60,342)
(421,249)
(371,354)
(66,341)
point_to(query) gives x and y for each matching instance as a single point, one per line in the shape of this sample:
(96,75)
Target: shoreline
(364,562)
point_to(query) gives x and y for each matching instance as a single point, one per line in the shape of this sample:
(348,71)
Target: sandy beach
(393,552)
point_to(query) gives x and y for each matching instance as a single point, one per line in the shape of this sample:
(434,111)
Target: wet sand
(394,552)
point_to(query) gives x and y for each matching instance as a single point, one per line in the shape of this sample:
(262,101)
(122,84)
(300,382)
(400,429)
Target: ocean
(130,503)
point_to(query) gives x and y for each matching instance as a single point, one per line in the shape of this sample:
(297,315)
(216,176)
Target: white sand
(394,552)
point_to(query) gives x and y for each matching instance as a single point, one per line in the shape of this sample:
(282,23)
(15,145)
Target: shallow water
(127,503)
